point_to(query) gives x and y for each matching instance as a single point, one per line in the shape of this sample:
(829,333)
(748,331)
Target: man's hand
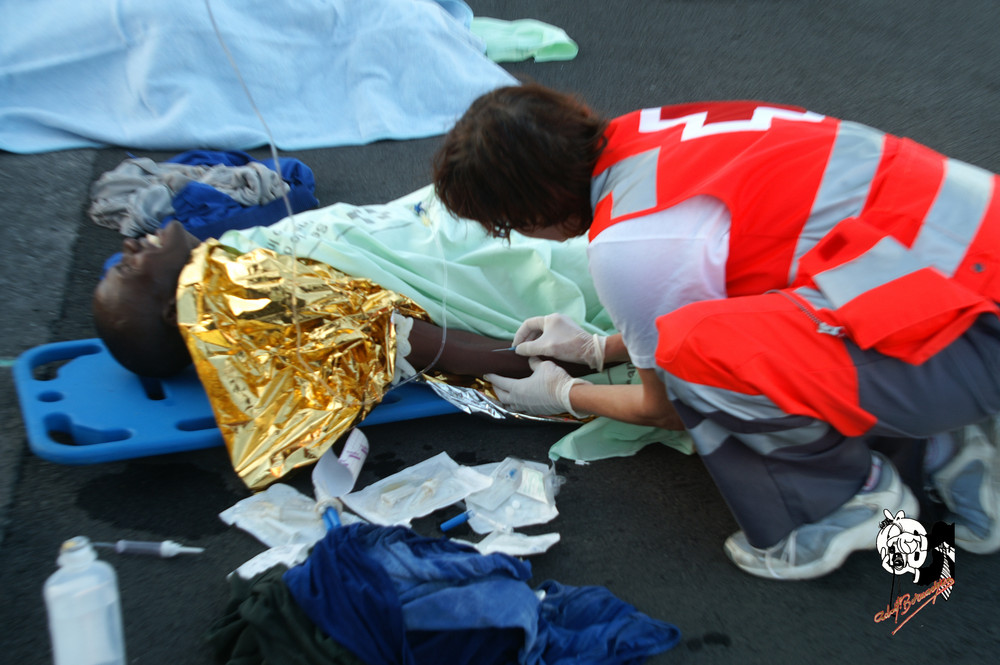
(543,393)
(558,336)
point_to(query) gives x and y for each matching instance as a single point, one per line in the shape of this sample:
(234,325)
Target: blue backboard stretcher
(92,410)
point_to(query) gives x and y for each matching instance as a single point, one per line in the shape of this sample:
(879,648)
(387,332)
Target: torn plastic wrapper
(528,498)
(513,543)
(278,516)
(283,555)
(334,476)
(416,491)
(285,520)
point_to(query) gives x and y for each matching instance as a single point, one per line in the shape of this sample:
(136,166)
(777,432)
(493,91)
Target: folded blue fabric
(207,212)
(392,596)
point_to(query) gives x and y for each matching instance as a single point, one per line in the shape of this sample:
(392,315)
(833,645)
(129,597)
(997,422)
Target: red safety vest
(902,242)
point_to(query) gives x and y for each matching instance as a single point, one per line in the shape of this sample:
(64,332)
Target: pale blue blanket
(153,75)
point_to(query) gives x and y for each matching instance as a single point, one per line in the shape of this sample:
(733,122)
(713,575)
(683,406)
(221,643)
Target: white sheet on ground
(153,75)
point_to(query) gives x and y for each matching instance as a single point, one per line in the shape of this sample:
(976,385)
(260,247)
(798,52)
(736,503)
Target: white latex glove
(558,336)
(543,393)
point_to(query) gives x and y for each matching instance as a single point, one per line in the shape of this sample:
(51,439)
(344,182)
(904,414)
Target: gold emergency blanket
(282,393)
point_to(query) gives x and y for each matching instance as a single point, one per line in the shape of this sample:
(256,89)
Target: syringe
(164,549)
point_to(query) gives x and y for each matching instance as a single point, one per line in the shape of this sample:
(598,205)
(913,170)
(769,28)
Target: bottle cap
(76,551)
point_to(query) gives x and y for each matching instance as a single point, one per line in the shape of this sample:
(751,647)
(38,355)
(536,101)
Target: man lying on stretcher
(442,271)
(464,279)
(135,311)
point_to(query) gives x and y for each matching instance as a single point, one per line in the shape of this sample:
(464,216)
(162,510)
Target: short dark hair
(141,341)
(521,158)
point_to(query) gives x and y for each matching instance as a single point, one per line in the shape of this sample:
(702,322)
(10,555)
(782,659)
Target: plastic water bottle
(85,618)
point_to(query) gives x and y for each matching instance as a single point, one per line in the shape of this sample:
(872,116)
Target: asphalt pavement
(650,527)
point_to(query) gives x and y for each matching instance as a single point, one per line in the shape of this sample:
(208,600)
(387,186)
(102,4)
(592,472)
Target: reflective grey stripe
(846,183)
(887,260)
(709,435)
(813,297)
(955,216)
(943,239)
(632,182)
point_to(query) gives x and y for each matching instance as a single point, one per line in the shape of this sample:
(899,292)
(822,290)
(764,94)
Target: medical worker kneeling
(791,287)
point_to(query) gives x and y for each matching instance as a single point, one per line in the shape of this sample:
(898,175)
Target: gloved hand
(558,336)
(543,393)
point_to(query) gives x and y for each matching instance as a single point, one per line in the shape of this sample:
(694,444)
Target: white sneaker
(814,550)
(969,485)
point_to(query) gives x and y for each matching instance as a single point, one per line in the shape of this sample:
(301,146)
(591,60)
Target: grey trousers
(778,471)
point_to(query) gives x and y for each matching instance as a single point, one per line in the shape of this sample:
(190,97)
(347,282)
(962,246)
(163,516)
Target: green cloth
(462,277)
(263,625)
(513,41)
(602,438)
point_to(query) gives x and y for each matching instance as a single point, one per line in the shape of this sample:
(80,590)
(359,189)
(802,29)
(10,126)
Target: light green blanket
(463,279)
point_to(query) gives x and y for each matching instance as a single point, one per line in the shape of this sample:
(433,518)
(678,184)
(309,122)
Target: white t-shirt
(648,266)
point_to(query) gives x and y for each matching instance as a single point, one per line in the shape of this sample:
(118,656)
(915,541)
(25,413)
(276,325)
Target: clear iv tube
(288,206)
(277,166)
(444,309)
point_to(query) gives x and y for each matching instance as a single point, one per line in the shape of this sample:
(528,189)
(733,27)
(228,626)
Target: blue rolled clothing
(392,596)
(208,213)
